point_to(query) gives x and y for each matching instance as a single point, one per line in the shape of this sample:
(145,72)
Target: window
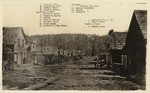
(18,42)
(23,43)
(15,57)
(123,59)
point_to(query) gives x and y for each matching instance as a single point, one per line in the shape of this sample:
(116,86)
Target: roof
(10,34)
(47,49)
(21,49)
(120,38)
(120,34)
(141,16)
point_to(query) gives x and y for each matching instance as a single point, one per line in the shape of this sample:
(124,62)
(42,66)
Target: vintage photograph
(74,46)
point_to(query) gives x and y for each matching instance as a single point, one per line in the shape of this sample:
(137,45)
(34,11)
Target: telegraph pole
(41,52)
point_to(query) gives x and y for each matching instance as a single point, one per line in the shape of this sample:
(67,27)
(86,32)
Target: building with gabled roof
(14,45)
(115,45)
(136,39)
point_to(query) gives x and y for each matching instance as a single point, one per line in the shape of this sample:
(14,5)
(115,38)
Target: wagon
(101,61)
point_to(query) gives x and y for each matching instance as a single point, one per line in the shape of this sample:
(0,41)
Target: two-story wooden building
(42,54)
(136,39)
(14,45)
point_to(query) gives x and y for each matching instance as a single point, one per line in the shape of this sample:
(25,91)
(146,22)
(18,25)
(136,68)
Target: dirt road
(72,75)
(80,75)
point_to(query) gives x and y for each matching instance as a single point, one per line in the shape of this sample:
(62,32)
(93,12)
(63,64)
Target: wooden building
(42,54)
(14,45)
(117,42)
(135,48)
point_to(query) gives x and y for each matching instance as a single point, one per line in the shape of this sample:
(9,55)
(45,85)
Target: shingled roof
(141,16)
(117,39)
(10,34)
(120,38)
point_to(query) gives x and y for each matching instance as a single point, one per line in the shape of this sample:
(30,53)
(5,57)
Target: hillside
(86,43)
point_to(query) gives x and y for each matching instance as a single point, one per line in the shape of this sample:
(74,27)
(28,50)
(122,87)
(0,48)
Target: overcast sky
(24,15)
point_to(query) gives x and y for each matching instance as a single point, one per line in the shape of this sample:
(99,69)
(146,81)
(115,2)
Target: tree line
(89,44)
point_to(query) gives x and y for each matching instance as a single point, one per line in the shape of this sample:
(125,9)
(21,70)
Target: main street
(79,75)
(71,75)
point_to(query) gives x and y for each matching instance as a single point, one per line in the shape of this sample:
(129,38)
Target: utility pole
(93,46)
(41,52)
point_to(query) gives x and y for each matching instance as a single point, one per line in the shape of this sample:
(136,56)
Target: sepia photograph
(83,46)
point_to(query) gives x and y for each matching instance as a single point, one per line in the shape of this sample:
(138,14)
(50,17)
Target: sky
(24,15)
